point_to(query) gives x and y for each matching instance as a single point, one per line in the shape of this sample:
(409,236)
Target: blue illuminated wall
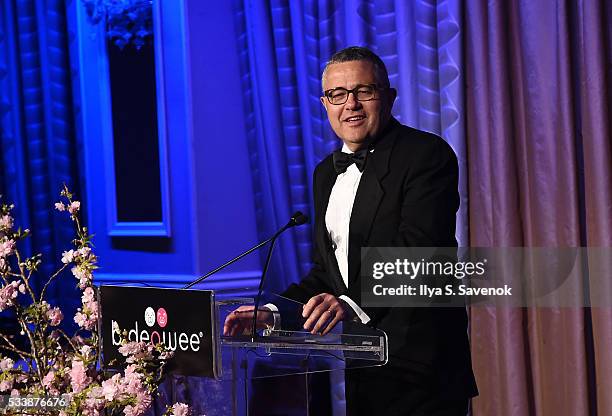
(223,174)
(210,198)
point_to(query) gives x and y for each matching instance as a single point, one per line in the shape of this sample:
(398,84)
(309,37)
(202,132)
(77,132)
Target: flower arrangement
(54,363)
(126,21)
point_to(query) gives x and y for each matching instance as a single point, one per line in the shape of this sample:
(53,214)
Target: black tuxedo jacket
(407,196)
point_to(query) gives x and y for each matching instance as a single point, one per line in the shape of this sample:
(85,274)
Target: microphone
(296,219)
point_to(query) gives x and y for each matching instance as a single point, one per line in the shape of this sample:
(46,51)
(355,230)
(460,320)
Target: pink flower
(131,348)
(77,272)
(74,207)
(88,317)
(92,308)
(131,371)
(94,403)
(7,247)
(60,206)
(111,388)
(6,222)
(95,393)
(143,402)
(47,380)
(84,252)
(86,351)
(3,263)
(83,321)
(78,376)
(83,275)
(136,351)
(55,316)
(86,256)
(7,294)
(88,296)
(132,381)
(68,256)
(6,364)
(130,410)
(180,409)
(6,385)
(22,288)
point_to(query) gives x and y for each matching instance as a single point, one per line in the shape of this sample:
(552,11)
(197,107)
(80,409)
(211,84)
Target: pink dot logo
(162,317)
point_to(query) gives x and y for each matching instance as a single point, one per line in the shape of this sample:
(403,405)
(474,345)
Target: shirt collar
(345,149)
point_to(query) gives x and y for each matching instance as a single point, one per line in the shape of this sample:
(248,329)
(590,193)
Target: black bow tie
(343,160)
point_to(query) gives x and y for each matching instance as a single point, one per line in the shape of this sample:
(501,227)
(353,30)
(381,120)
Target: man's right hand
(240,321)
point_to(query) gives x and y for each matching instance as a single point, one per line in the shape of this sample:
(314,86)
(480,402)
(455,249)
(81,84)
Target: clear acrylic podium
(272,372)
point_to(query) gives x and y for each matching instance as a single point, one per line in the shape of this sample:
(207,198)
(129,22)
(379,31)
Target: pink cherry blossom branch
(61,331)
(13,348)
(23,277)
(53,276)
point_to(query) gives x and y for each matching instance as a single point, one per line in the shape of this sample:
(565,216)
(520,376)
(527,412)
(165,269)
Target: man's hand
(324,311)
(240,321)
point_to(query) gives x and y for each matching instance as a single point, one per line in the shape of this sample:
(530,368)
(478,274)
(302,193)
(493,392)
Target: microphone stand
(297,219)
(261,285)
(234,260)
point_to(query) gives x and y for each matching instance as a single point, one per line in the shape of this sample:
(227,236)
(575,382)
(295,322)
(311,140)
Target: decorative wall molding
(97,132)
(124,248)
(161,228)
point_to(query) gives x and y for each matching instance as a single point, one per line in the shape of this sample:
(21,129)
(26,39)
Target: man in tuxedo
(389,185)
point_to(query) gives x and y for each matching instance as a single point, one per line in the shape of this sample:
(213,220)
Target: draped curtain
(540,173)
(532,135)
(284,46)
(37,141)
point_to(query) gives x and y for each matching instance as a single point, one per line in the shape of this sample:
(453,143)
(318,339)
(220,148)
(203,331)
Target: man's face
(357,123)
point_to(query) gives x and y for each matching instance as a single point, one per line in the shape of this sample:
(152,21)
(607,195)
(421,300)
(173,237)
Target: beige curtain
(538,98)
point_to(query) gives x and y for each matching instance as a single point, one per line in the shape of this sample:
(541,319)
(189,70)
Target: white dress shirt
(337,221)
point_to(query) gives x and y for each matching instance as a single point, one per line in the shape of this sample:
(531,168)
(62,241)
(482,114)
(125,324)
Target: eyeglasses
(338,96)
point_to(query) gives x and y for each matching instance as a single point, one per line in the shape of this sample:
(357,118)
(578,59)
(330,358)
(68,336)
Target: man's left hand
(323,312)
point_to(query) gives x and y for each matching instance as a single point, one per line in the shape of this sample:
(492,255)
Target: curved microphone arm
(296,219)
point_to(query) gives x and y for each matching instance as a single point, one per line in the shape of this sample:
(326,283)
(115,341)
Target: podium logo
(149,316)
(162,317)
(172,339)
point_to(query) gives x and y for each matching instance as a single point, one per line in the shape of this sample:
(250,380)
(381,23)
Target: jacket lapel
(368,198)
(327,181)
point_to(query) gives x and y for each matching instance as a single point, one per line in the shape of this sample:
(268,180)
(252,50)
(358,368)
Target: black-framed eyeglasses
(338,96)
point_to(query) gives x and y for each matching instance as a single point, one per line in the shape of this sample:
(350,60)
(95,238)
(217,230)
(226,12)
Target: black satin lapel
(327,183)
(367,200)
